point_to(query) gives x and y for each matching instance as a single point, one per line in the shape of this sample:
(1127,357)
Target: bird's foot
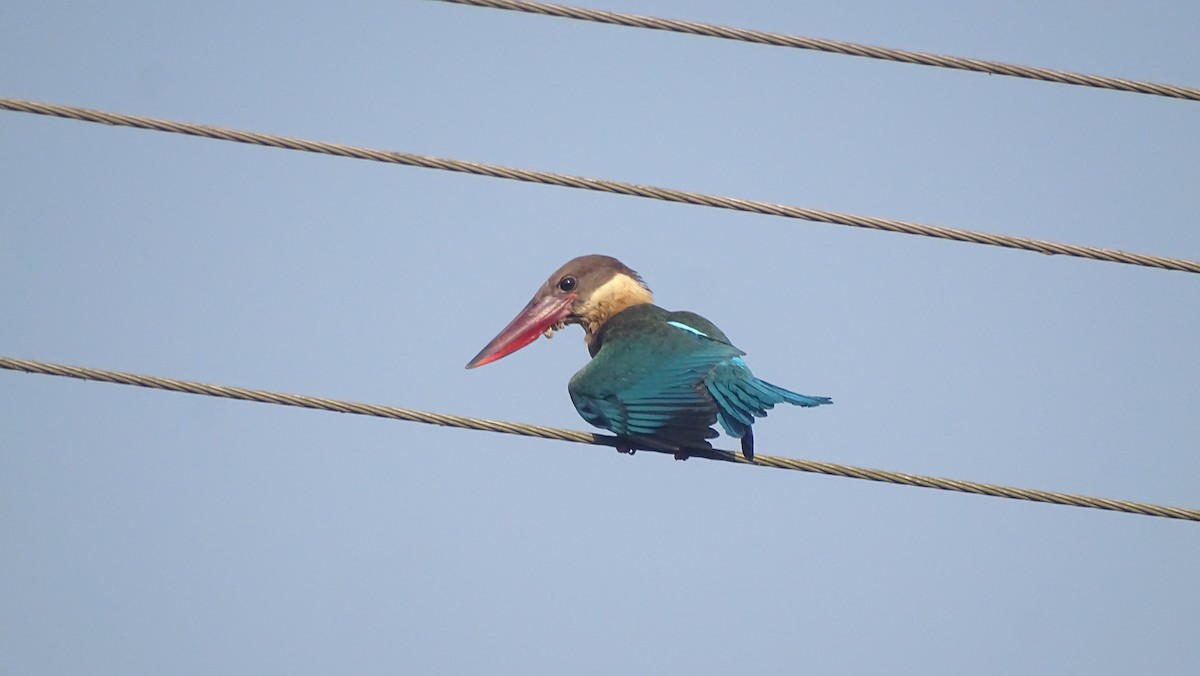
(681,455)
(626,449)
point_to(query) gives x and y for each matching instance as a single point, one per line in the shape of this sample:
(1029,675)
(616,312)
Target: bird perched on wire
(657,379)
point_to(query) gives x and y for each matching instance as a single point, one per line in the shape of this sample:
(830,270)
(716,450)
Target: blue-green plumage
(659,380)
(663,379)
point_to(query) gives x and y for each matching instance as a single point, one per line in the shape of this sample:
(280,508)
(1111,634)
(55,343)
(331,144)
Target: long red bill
(539,315)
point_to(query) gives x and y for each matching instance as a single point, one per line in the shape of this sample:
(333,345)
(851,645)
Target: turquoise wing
(664,379)
(650,385)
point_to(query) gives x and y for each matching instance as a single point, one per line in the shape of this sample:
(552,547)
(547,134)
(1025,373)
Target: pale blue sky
(154,533)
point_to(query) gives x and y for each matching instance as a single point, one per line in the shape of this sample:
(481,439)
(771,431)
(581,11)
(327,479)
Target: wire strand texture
(602,185)
(479,424)
(837,47)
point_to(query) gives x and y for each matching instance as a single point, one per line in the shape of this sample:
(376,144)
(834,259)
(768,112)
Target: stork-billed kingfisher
(658,379)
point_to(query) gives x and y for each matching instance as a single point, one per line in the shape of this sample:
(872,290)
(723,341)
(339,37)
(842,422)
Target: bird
(657,379)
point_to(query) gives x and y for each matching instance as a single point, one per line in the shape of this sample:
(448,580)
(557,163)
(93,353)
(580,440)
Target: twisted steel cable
(464,422)
(615,187)
(837,47)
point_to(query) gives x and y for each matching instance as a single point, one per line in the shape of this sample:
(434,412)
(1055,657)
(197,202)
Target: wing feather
(666,378)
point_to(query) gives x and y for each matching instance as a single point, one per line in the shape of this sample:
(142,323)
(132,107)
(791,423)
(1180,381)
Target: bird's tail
(748,443)
(741,398)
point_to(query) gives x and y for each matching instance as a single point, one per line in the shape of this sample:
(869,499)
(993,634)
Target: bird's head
(585,291)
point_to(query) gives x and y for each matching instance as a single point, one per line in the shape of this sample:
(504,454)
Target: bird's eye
(567,284)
